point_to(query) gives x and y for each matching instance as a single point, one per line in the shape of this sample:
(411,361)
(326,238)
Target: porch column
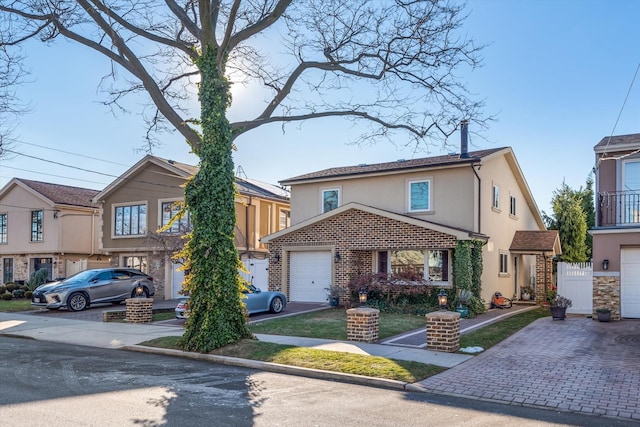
(544,276)
(443,331)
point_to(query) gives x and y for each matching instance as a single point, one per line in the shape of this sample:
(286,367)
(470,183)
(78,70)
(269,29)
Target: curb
(282,369)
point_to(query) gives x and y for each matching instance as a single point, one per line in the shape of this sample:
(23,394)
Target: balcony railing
(619,208)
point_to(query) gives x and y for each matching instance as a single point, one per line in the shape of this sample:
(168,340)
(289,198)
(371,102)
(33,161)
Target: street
(48,384)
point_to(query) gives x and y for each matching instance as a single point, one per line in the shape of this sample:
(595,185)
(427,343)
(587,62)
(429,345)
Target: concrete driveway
(576,365)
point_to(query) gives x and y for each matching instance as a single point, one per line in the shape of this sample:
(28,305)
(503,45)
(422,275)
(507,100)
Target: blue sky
(555,74)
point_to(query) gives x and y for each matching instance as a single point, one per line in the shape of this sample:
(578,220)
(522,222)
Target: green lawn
(331,324)
(16,305)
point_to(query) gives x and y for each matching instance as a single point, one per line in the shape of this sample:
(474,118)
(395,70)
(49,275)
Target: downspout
(246,227)
(473,168)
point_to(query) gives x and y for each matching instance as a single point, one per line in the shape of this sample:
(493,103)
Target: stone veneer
(606,294)
(363,324)
(443,331)
(544,276)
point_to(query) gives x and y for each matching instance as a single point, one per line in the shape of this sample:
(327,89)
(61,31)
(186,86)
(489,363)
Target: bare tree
(388,64)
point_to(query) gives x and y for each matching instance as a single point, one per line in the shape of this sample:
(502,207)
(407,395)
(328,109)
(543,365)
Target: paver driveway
(577,365)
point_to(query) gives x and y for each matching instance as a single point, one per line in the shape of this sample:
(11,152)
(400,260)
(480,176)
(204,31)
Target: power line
(60,164)
(74,154)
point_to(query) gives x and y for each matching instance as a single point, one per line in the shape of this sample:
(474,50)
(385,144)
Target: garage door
(310,276)
(630,283)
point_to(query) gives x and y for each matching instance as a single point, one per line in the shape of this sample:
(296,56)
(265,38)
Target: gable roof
(459,233)
(185,171)
(399,165)
(618,142)
(55,194)
(536,241)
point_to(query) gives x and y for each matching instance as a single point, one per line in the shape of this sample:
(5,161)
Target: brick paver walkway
(575,365)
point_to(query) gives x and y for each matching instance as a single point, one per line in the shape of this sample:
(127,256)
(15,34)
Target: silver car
(256,301)
(103,285)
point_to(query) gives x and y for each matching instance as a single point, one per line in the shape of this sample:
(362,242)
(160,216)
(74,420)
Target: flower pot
(604,317)
(464,311)
(334,302)
(558,313)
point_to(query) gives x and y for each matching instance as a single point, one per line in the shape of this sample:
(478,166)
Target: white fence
(575,281)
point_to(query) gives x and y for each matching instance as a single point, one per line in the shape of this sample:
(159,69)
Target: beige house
(48,226)
(139,203)
(616,235)
(365,218)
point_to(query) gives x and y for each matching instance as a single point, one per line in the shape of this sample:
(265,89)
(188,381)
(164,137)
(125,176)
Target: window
(139,262)
(432,264)
(284,219)
(36,226)
(42,263)
(169,210)
(3,228)
(130,220)
(7,270)
(330,199)
(504,263)
(496,197)
(512,205)
(419,195)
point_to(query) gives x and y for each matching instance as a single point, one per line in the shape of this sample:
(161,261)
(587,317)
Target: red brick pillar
(139,310)
(443,331)
(363,324)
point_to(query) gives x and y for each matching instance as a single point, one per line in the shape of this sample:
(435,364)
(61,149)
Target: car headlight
(58,289)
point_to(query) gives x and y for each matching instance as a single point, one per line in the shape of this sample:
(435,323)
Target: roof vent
(171,162)
(401,160)
(362,165)
(464,139)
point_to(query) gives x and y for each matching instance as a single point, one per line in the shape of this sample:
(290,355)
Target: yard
(331,324)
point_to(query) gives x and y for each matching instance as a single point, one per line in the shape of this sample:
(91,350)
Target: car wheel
(77,302)
(144,294)
(276,305)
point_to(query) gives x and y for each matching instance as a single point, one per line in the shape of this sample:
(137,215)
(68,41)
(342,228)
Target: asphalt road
(49,384)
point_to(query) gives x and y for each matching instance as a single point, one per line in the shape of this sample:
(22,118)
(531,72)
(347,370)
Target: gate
(575,281)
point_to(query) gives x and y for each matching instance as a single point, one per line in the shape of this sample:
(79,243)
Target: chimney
(464,139)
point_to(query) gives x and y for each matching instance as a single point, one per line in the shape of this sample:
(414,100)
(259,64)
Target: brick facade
(356,235)
(544,277)
(606,294)
(443,331)
(363,324)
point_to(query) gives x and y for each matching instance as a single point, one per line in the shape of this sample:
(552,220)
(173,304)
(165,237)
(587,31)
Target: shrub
(28,294)
(3,289)
(37,278)
(11,286)
(18,293)
(7,296)
(24,288)
(397,294)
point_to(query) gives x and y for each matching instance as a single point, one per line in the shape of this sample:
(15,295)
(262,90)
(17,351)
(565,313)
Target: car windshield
(81,276)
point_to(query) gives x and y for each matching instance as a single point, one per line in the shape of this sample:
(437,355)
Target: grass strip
(348,363)
(13,305)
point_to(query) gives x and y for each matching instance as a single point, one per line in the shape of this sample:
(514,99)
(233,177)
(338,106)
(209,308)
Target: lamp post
(362,295)
(442,299)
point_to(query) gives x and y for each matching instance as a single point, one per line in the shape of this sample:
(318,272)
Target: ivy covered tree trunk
(217,314)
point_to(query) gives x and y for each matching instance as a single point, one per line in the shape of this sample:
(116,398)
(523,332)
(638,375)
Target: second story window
(419,195)
(285,219)
(171,209)
(512,205)
(130,220)
(496,197)
(330,199)
(36,226)
(3,228)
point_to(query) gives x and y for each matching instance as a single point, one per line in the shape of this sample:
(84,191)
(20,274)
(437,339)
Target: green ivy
(217,315)
(467,273)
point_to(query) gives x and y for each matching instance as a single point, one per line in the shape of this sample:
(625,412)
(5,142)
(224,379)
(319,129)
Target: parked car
(103,285)
(256,301)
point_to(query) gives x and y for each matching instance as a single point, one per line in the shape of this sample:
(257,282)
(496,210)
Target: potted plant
(604,314)
(558,307)
(334,292)
(464,298)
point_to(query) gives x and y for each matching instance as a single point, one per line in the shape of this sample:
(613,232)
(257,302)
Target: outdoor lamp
(336,257)
(276,258)
(605,264)
(442,299)
(139,291)
(363,297)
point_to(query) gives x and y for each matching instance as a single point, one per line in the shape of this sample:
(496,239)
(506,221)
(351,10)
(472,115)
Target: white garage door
(310,276)
(630,282)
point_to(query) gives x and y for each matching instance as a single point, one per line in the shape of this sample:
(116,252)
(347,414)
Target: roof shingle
(63,194)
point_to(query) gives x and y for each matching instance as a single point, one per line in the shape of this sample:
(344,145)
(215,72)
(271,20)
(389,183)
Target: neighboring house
(49,226)
(616,235)
(410,214)
(142,200)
